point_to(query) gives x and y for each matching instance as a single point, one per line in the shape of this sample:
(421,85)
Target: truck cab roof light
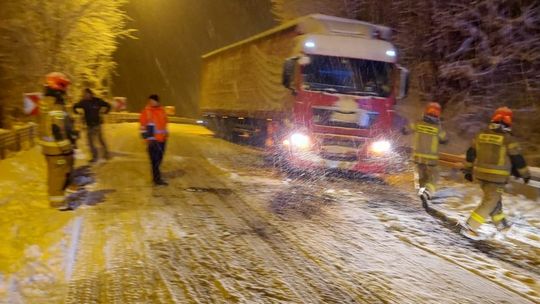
(309,44)
(391,53)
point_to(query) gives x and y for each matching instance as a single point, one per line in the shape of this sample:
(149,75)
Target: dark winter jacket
(92,110)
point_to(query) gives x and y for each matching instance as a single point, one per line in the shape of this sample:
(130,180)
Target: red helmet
(502,115)
(433,109)
(57,81)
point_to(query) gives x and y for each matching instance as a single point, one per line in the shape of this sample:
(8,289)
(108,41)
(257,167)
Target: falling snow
(230,228)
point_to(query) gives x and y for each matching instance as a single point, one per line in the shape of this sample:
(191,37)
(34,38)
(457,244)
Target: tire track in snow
(460,251)
(251,246)
(399,198)
(316,265)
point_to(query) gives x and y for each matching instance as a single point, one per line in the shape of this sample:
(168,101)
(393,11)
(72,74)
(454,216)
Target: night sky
(172,35)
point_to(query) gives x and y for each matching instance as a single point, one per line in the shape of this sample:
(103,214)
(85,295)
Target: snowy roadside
(38,242)
(457,200)
(509,259)
(510,262)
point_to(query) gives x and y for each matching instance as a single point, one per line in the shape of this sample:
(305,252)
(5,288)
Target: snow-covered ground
(229,228)
(35,239)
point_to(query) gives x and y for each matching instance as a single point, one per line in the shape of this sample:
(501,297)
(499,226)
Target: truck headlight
(298,141)
(380,147)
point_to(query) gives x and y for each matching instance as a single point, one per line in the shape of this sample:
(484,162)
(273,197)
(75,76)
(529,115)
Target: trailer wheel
(213,126)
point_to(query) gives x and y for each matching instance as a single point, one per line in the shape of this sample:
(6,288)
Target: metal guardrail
(22,137)
(458,161)
(134,117)
(17,138)
(451,160)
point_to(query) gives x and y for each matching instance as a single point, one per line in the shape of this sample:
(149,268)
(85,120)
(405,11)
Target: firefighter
(428,134)
(493,156)
(55,138)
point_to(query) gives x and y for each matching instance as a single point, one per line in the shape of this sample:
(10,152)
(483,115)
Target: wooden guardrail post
(2,144)
(17,135)
(32,134)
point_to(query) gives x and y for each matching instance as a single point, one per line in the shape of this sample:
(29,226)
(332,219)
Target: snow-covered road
(230,229)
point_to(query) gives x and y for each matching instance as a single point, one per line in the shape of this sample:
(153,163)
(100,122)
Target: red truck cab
(345,90)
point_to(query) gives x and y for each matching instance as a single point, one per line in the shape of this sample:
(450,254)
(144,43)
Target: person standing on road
(92,107)
(153,121)
(55,138)
(428,134)
(493,156)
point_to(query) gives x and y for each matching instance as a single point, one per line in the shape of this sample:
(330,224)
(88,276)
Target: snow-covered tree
(77,37)
(285,10)
(488,48)
(488,55)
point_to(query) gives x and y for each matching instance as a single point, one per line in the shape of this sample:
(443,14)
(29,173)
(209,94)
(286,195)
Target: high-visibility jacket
(156,118)
(495,155)
(54,128)
(427,137)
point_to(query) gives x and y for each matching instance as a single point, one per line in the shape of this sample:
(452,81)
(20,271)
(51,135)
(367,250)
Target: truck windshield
(348,76)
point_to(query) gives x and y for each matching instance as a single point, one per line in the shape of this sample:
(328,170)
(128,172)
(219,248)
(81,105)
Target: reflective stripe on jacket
(492,157)
(157,117)
(53,121)
(427,137)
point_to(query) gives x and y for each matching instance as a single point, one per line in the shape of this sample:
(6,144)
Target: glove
(526,179)
(468,176)
(403,131)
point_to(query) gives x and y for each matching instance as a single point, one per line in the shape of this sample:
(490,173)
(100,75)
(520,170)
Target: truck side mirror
(288,73)
(403,83)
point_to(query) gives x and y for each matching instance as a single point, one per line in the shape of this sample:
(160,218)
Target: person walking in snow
(153,121)
(428,134)
(493,156)
(92,107)
(55,138)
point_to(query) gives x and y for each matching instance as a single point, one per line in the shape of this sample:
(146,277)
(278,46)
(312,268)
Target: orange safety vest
(157,117)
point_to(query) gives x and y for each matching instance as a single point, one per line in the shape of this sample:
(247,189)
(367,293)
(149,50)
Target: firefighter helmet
(502,115)
(433,109)
(57,81)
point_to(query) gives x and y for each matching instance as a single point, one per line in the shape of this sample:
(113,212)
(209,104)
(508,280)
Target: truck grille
(360,119)
(335,147)
(350,142)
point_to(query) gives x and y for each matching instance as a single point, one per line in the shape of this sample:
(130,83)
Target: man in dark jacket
(92,106)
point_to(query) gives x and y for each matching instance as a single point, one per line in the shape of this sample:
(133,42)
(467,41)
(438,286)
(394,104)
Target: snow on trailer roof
(320,24)
(361,48)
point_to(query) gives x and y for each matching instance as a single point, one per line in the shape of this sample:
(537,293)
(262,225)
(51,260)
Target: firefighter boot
(499,219)
(58,170)
(425,196)
(469,232)
(503,225)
